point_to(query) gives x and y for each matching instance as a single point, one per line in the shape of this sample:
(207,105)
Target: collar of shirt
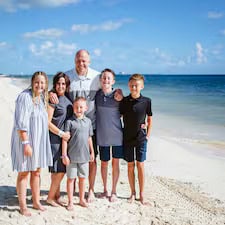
(110,94)
(135,99)
(82,77)
(79,119)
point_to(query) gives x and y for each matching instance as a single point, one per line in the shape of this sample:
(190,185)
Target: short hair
(56,79)
(80,98)
(81,50)
(137,76)
(108,70)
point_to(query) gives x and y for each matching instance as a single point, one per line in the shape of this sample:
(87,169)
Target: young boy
(108,130)
(135,109)
(80,150)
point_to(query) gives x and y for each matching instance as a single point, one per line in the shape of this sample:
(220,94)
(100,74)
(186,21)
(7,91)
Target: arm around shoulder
(53,98)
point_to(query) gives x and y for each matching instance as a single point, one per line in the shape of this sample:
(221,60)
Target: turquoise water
(186,108)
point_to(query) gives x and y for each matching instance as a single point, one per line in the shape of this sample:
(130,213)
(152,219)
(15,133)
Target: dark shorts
(117,152)
(95,143)
(135,153)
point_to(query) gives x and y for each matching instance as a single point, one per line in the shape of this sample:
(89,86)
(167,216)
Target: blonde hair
(80,98)
(45,94)
(137,76)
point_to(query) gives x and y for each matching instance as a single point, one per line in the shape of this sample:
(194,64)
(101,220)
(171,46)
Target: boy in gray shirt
(77,153)
(109,131)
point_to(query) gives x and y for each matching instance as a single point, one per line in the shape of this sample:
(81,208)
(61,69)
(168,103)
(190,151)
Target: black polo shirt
(134,112)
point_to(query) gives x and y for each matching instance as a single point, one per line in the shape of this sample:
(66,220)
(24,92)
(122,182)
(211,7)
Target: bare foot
(39,207)
(132,198)
(83,203)
(60,201)
(70,207)
(25,212)
(91,197)
(113,197)
(52,203)
(143,202)
(104,194)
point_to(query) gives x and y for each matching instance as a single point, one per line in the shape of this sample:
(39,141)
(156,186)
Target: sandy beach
(184,187)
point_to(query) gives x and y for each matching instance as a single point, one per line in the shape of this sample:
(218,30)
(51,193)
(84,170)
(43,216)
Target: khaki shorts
(74,170)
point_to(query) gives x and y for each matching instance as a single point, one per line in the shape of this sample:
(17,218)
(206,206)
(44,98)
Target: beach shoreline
(179,189)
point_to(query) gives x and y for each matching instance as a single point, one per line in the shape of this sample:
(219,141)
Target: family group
(65,129)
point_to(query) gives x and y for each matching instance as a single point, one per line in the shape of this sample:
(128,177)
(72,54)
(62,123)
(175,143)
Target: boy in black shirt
(136,111)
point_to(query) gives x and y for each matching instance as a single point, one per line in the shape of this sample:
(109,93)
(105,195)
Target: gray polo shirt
(80,130)
(85,86)
(108,123)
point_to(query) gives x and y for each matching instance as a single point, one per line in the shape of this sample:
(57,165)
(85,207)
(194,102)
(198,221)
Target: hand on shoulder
(118,96)
(53,98)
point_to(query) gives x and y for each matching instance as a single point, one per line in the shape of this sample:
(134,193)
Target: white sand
(195,195)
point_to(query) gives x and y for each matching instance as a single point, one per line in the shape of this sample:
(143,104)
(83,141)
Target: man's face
(82,61)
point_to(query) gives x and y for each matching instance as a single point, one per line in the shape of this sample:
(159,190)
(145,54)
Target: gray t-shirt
(108,123)
(78,147)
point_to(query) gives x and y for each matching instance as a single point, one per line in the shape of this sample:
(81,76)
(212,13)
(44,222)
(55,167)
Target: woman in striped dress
(30,144)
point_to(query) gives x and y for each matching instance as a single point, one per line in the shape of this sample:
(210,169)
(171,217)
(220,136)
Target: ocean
(188,109)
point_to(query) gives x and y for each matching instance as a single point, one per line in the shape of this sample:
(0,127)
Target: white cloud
(53,3)
(49,48)
(3,44)
(7,5)
(161,56)
(111,3)
(165,59)
(97,52)
(44,33)
(201,58)
(12,5)
(66,49)
(106,26)
(215,15)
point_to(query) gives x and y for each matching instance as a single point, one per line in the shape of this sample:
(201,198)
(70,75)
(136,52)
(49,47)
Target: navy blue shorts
(117,152)
(135,153)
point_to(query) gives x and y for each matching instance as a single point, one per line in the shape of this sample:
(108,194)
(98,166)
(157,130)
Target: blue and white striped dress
(32,118)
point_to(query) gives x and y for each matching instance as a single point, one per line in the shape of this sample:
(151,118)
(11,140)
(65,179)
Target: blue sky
(148,36)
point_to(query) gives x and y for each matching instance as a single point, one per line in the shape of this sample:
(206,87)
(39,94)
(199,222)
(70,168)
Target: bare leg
(141,180)
(70,188)
(131,178)
(92,175)
(35,189)
(82,192)
(54,192)
(104,173)
(115,178)
(21,188)
(75,185)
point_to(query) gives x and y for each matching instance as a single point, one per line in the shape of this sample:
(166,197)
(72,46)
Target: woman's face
(60,86)
(39,85)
